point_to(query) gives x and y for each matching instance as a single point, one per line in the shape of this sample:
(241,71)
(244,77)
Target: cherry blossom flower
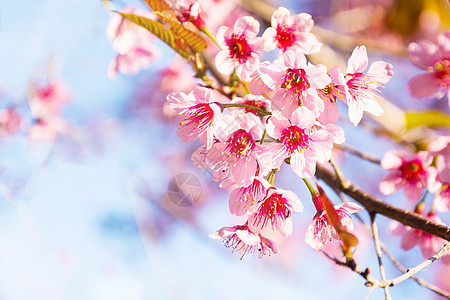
(413,173)
(441,148)
(442,199)
(48,98)
(239,131)
(320,230)
(358,89)
(243,240)
(241,49)
(245,199)
(200,114)
(329,94)
(274,213)
(303,139)
(133,43)
(10,121)
(290,32)
(188,10)
(47,130)
(212,159)
(435,59)
(294,81)
(429,244)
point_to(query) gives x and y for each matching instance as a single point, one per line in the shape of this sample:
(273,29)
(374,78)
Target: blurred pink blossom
(10,121)
(435,59)
(133,43)
(48,98)
(412,172)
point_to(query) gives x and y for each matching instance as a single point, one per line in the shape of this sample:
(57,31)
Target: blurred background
(86,210)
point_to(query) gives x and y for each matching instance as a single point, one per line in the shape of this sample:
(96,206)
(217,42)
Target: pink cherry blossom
(412,172)
(133,43)
(358,89)
(47,99)
(294,80)
(320,230)
(302,138)
(239,132)
(10,121)
(441,148)
(243,240)
(241,49)
(245,199)
(188,10)
(428,244)
(200,114)
(274,212)
(435,59)
(47,130)
(290,32)
(442,199)
(212,159)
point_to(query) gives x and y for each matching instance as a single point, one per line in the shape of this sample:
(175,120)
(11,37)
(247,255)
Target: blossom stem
(263,136)
(310,188)
(206,31)
(271,177)
(265,112)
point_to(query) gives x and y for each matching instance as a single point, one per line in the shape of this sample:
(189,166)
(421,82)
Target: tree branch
(375,205)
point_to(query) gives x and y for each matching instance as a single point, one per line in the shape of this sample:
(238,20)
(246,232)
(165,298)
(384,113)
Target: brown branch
(375,205)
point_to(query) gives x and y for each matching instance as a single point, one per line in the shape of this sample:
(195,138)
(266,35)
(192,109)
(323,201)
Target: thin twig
(355,152)
(351,264)
(410,272)
(396,263)
(376,240)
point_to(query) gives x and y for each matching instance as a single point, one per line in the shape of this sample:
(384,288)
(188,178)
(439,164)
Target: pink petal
(423,53)
(223,232)
(247,25)
(424,85)
(410,239)
(276,125)
(280,16)
(390,183)
(303,118)
(393,159)
(382,70)
(248,237)
(224,63)
(358,61)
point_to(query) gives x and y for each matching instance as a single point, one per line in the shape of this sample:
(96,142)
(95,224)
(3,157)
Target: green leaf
(431,118)
(193,40)
(166,35)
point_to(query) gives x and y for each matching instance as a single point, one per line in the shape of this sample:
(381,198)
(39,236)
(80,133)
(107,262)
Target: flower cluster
(289,115)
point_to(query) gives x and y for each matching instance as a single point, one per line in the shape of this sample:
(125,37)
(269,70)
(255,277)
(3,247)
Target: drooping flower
(320,230)
(242,239)
(290,32)
(435,59)
(241,49)
(302,138)
(413,173)
(359,89)
(200,114)
(239,132)
(294,81)
(273,214)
